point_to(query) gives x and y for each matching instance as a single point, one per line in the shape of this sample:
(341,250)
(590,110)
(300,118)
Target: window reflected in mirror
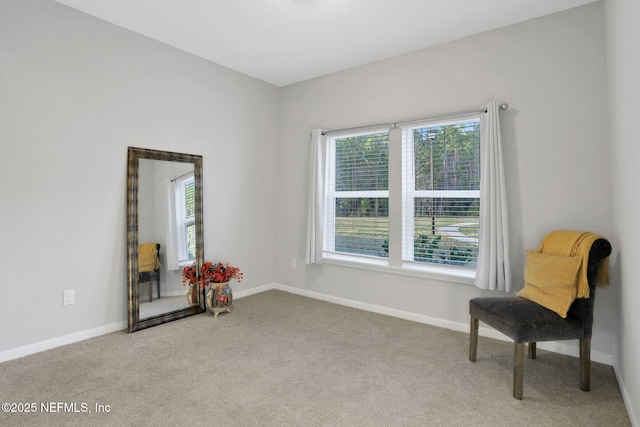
(166,216)
(185,207)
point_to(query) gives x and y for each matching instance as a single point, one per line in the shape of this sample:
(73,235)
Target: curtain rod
(503,107)
(181,176)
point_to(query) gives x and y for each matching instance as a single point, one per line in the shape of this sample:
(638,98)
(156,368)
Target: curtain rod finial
(504,107)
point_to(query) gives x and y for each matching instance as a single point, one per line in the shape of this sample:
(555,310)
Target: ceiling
(287,41)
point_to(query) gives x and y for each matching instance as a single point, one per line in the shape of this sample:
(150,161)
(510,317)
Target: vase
(219,298)
(191,295)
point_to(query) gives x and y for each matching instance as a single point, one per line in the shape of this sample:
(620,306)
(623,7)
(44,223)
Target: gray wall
(623,60)
(551,71)
(75,92)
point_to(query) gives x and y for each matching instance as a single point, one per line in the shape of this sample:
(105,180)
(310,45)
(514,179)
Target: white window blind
(441,192)
(185,217)
(357,194)
(408,198)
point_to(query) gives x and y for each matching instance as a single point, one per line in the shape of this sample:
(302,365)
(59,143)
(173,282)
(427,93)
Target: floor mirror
(164,235)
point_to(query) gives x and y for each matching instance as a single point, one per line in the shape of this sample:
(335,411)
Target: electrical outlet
(69,297)
(294,263)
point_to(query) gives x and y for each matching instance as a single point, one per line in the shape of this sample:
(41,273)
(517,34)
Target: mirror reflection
(164,215)
(166,234)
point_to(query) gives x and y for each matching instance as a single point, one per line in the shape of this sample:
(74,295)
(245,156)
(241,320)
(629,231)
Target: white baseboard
(632,406)
(253,291)
(37,347)
(420,318)
(16,353)
(556,346)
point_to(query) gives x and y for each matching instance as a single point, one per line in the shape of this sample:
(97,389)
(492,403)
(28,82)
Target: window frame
(182,220)
(409,193)
(331,194)
(399,243)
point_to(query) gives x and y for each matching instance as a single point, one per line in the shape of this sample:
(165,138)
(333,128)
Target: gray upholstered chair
(525,321)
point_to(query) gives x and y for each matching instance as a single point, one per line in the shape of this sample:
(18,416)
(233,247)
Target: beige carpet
(285,360)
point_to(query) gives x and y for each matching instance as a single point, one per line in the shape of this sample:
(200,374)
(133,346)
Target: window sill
(443,273)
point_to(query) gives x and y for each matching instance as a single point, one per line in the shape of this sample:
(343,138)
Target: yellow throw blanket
(148,257)
(576,243)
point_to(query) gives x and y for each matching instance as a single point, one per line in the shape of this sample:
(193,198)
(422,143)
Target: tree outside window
(440,195)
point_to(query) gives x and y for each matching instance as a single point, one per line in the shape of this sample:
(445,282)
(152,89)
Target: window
(433,193)
(185,217)
(357,196)
(441,193)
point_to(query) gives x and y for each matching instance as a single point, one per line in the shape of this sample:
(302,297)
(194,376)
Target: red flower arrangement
(189,275)
(220,273)
(211,273)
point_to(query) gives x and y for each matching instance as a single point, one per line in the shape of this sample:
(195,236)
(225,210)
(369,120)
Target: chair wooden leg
(532,350)
(518,369)
(473,339)
(585,364)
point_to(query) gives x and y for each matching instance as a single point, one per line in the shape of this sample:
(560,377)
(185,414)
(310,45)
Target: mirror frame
(133,160)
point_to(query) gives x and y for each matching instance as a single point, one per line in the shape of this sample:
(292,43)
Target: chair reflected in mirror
(149,266)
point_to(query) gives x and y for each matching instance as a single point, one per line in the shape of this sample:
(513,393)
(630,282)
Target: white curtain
(494,265)
(172,229)
(315,219)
